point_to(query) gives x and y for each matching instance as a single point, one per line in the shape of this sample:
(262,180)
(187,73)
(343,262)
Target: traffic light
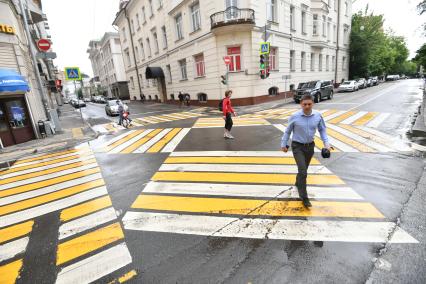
(267,72)
(224,81)
(262,74)
(262,61)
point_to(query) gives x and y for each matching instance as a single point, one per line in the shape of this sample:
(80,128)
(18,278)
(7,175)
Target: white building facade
(107,65)
(178,46)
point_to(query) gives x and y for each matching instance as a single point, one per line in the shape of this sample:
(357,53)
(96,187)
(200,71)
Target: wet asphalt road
(393,183)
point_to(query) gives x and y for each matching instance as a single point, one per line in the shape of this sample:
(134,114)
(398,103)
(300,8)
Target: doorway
(15,125)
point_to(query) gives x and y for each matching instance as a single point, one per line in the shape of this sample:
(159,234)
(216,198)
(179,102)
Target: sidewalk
(74,131)
(419,128)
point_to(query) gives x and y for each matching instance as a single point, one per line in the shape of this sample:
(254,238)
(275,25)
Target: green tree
(420,57)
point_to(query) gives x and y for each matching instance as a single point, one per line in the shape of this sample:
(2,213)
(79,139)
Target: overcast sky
(74,23)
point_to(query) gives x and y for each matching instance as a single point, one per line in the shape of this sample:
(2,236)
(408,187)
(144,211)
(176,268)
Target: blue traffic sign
(264,47)
(72,73)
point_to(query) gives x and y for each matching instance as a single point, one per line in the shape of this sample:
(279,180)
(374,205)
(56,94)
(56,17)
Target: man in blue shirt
(304,124)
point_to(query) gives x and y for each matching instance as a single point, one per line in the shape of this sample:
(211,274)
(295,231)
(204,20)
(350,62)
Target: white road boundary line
(10,249)
(231,154)
(171,146)
(152,141)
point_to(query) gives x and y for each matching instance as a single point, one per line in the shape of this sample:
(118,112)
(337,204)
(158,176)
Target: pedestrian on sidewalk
(304,124)
(187,100)
(180,97)
(228,111)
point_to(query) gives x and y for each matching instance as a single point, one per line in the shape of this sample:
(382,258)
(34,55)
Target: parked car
(78,103)
(319,90)
(362,83)
(86,100)
(375,80)
(369,82)
(392,77)
(348,86)
(111,107)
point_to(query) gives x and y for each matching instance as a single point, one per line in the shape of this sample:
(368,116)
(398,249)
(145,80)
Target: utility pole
(34,61)
(337,42)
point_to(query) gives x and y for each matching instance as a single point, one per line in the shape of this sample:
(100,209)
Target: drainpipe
(337,41)
(133,49)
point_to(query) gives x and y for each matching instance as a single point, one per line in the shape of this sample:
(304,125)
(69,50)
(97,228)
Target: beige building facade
(178,46)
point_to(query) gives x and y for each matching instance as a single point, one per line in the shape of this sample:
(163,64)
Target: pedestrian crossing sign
(72,73)
(264,47)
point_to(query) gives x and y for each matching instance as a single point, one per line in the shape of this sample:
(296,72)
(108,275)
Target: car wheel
(297,101)
(317,98)
(330,96)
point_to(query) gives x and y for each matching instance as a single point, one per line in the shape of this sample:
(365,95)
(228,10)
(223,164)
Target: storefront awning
(154,72)
(12,82)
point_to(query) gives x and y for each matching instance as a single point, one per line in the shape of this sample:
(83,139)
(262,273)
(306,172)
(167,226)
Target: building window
(160,4)
(199,65)
(169,73)
(334,33)
(333,62)
(345,35)
(344,63)
(132,82)
(292,60)
(123,33)
(346,8)
(142,50)
(148,47)
(328,31)
(235,54)
(324,31)
(303,22)
(143,15)
(163,29)
(127,53)
(335,5)
(327,57)
(292,19)
(315,24)
(179,28)
(138,22)
(132,27)
(320,62)
(137,53)
(151,12)
(112,63)
(172,97)
(271,10)
(182,67)
(273,59)
(195,17)
(154,35)
(312,61)
(303,61)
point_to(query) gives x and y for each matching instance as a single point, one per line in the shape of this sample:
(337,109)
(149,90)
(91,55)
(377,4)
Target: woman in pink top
(228,111)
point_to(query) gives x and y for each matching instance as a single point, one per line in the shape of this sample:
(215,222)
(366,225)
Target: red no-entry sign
(227,60)
(43,44)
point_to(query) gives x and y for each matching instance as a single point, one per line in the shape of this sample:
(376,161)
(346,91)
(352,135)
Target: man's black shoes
(306,203)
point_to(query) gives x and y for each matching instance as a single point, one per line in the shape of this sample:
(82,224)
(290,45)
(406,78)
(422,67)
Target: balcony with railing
(232,16)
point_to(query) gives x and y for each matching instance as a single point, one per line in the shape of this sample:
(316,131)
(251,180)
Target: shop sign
(7,29)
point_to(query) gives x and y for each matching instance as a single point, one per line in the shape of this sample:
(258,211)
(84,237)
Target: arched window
(273,91)
(156,97)
(149,97)
(292,87)
(172,97)
(202,97)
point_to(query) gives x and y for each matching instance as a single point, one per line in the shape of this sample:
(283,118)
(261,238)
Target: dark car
(319,90)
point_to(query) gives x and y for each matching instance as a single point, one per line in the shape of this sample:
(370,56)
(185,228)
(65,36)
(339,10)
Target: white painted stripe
(241,168)
(281,229)
(378,120)
(87,222)
(126,144)
(100,129)
(280,127)
(267,191)
(152,141)
(48,189)
(354,117)
(96,266)
(157,118)
(27,171)
(171,146)
(377,133)
(79,153)
(340,145)
(365,141)
(33,212)
(135,123)
(232,154)
(339,113)
(115,139)
(147,120)
(49,176)
(13,248)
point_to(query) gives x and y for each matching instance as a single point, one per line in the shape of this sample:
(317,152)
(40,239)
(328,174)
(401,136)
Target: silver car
(348,86)
(111,107)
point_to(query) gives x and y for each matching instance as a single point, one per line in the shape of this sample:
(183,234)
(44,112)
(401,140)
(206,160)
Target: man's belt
(304,144)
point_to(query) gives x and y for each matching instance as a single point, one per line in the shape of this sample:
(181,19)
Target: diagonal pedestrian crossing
(250,194)
(334,116)
(209,122)
(91,240)
(145,141)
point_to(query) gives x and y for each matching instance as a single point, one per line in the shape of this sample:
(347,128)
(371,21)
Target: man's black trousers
(302,154)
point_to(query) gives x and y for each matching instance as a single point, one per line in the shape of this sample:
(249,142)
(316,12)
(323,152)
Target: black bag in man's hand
(325,153)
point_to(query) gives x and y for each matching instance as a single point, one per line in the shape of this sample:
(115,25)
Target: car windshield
(346,83)
(112,103)
(310,85)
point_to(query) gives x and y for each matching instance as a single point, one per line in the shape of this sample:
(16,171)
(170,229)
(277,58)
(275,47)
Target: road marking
(126,277)
(145,146)
(336,114)
(171,146)
(378,120)
(366,118)
(248,190)
(341,117)
(354,117)
(241,168)
(77,133)
(348,141)
(128,143)
(281,229)
(164,140)
(252,207)
(231,154)
(237,160)
(9,272)
(13,248)
(45,156)
(96,266)
(87,222)
(208,122)
(140,142)
(84,244)
(122,138)
(15,231)
(85,208)
(244,178)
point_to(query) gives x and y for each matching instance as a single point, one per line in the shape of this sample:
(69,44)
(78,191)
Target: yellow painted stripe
(109,127)
(236,160)
(365,119)
(40,164)
(320,144)
(365,134)
(153,118)
(163,141)
(48,171)
(244,178)
(28,203)
(256,207)
(77,133)
(342,117)
(140,142)
(9,272)
(15,231)
(48,182)
(126,277)
(123,140)
(85,208)
(84,244)
(359,146)
(46,156)
(329,112)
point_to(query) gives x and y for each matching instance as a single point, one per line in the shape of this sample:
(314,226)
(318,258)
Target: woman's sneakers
(227,135)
